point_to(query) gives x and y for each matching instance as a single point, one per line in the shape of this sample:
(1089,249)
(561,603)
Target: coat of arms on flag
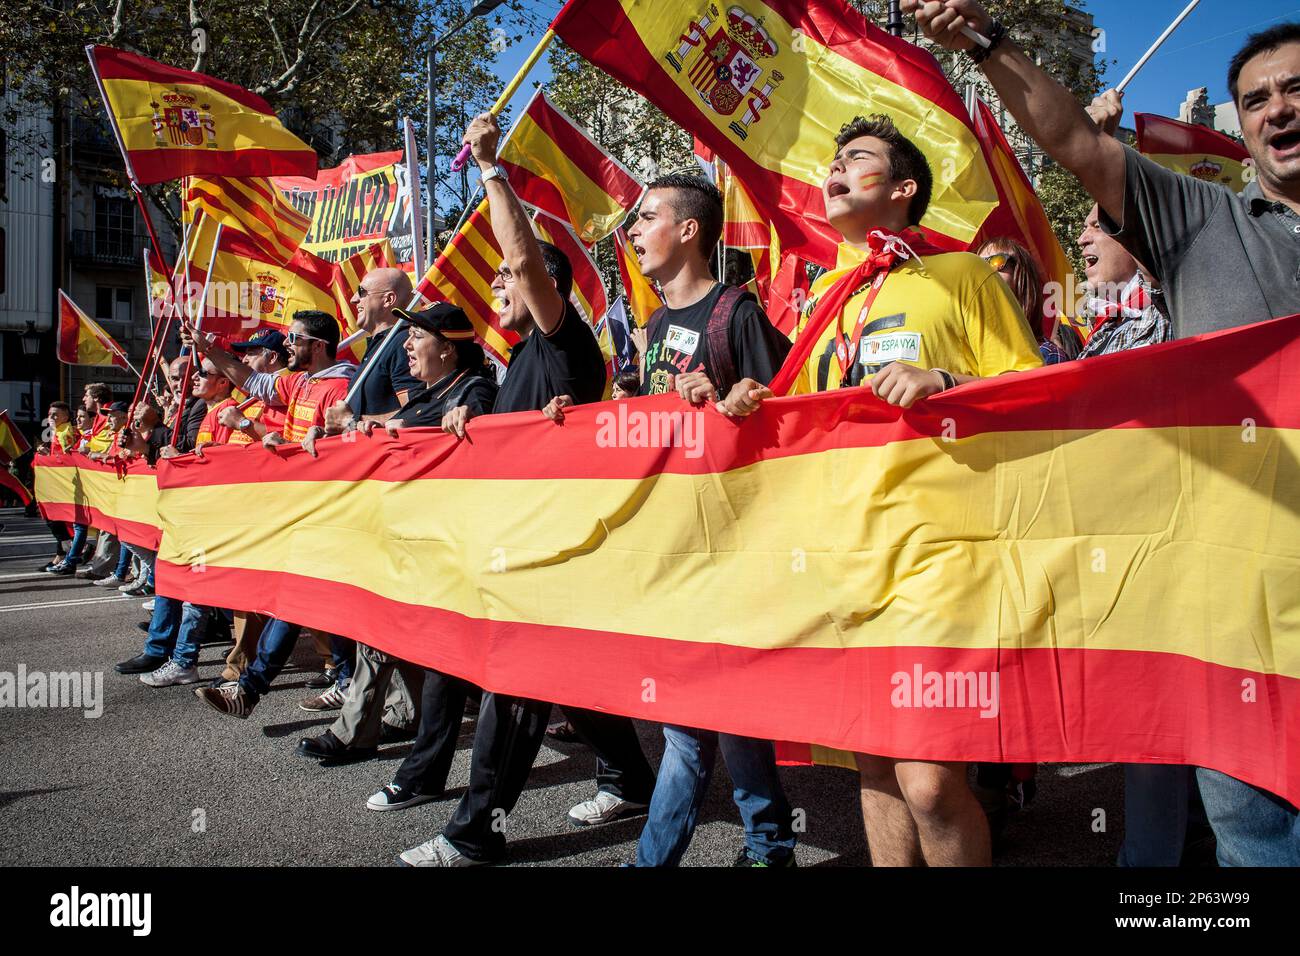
(182,124)
(728,67)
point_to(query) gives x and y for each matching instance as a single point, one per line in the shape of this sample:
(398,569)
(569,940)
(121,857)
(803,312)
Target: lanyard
(846,354)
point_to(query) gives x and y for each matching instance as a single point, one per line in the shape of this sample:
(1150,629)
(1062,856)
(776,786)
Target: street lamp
(31,343)
(479,9)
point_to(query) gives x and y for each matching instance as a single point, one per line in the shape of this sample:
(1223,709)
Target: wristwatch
(244,423)
(493,173)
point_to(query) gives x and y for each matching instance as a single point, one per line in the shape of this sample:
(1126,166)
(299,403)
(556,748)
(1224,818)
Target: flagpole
(459,162)
(373,360)
(1155,46)
(198,327)
(413,179)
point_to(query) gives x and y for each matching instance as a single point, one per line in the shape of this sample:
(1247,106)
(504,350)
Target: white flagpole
(1155,46)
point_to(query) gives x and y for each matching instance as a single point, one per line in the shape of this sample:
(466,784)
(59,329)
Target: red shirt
(211,431)
(306,400)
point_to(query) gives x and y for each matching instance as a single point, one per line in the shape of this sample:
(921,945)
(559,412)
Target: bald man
(389,384)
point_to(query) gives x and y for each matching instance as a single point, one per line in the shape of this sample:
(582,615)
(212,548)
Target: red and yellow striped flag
(1196,151)
(1020,216)
(82,341)
(173,123)
(120,497)
(462,275)
(588,293)
(347,278)
(642,299)
(557,168)
(13,443)
(256,208)
(767,84)
(946,621)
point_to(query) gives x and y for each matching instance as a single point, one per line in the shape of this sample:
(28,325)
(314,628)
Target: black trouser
(442,706)
(621,767)
(60,531)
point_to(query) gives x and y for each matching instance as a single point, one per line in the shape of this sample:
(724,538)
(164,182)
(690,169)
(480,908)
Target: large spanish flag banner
(556,167)
(767,85)
(172,123)
(256,208)
(985,576)
(1020,216)
(1196,151)
(82,341)
(462,275)
(120,499)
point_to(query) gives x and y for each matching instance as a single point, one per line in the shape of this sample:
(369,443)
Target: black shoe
(63,569)
(744,858)
(143,625)
(328,747)
(140,664)
(51,565)
(388,734)
(326,678)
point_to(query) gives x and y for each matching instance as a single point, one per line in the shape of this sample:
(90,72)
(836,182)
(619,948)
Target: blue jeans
(343,652)
(274,648)
(194,624)
(683,782)
(164,627)
(1156,798)
(1252,826)
(77,545)
(123,561)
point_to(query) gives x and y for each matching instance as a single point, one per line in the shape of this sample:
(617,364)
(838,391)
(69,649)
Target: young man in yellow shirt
(910,321)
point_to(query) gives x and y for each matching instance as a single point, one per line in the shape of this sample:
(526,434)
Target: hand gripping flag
(1195,151)
(1020,216)
(767,85)
(172,123)
(462,275)
(81,340)
(257,208)
(557,168)
(642,299)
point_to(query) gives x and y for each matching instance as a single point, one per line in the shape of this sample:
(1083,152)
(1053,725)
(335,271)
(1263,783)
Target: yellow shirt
(949,311)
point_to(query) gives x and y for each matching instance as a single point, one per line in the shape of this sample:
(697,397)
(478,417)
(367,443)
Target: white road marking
(74,602)
(29,576)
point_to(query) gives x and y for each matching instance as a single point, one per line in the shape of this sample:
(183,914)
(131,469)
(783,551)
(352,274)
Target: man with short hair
(95,399)
(912,322)
(1206,247)
(557,355)
(60,438)
(704,339)
(1127,309)
(315,381)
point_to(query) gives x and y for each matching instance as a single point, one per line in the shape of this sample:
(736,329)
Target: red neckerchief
(885,250)
(1134,299)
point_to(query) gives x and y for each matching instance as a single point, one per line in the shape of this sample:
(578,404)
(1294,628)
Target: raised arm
(1043,108)
(513,231)
(227,364)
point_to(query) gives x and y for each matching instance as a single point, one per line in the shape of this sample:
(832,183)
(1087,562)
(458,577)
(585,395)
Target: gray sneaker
(112,581)
(171,674)
(436,852)
(605,808)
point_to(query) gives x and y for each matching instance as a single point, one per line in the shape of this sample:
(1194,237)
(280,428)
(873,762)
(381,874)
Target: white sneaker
(603,809)
(171,674)
(148,605)
(131,585)
(111,581)
(435,852)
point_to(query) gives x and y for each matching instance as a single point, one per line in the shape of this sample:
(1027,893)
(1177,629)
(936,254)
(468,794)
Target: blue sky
(1196,55)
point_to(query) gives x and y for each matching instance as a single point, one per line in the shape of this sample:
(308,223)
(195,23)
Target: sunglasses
(1000,260)
(291,338)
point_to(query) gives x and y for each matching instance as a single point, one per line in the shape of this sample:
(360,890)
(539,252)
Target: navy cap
(272,339)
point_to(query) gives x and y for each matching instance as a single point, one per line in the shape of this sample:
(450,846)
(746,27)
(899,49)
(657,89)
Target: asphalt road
(160,779)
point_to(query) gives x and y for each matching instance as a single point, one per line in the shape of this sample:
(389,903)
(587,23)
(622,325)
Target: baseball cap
(442,318)
(119,407)
(272,339)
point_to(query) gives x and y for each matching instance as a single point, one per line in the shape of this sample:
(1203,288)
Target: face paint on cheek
(869,179)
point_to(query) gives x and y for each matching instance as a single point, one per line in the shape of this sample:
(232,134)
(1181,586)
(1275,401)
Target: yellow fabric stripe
(1232,173)
(134,498)
(236,126)
(922,542)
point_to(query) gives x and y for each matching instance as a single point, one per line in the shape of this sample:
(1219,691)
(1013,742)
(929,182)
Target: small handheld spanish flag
(82,341)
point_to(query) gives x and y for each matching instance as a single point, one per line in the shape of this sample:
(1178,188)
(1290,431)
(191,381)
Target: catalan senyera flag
(120,498)
(556,167)
(13,443)
(256,208)
(984,602)
(1196,151)
(1020,216)
(642,299)
(349,273)
(462,275)
(82,341)
(767,85)
(173,123)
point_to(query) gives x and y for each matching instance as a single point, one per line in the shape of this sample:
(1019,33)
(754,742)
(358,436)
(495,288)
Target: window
(114,225)
(113,305)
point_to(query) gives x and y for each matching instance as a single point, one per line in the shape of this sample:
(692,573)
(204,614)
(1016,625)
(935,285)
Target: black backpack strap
(719,337)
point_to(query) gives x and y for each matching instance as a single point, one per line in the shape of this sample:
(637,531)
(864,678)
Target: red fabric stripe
(595,163)
(344,171)
(132,532)
(121,65)
(163,164)
(535,190)
(69,333)
(1160,134)
(1061,705)
(1125,390)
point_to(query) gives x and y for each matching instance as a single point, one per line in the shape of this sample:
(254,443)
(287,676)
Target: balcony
(112,249)
(93,143)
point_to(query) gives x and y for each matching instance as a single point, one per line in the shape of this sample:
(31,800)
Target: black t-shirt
(566,362)
(378,394)
(681,344)
(475,389)
(154,441)
(191,421)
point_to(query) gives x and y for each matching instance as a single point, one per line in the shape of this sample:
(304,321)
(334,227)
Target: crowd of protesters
(1162,252)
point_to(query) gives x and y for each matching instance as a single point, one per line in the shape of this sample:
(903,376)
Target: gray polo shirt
(1222,259)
